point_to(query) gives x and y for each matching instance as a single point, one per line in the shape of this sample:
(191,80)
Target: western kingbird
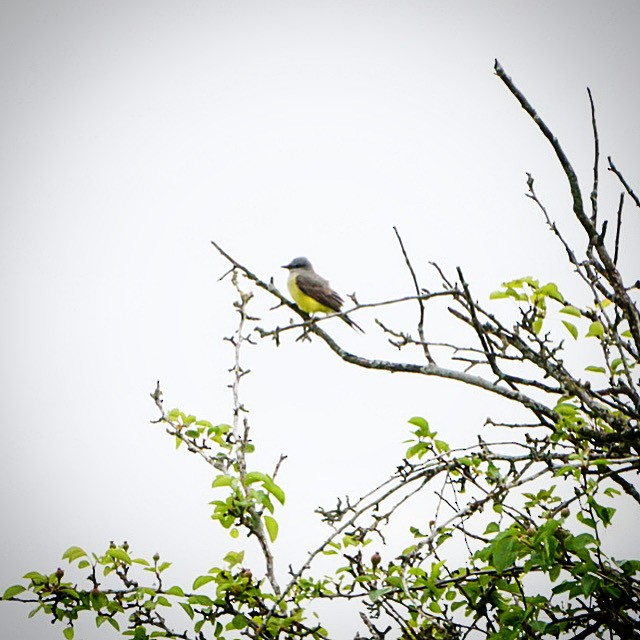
(312,293)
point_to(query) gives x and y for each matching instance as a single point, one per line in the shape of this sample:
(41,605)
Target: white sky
(135,132)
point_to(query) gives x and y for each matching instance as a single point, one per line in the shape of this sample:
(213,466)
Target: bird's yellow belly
(305,302)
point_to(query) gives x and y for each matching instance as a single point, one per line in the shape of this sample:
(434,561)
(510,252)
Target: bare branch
(596,161)
(629,190)
(620,295)
(425,347)
(400,367)
(618,227)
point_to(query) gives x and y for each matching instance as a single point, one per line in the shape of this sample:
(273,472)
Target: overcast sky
(133,133)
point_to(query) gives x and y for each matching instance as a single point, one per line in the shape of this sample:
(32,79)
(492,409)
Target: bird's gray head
(298,263)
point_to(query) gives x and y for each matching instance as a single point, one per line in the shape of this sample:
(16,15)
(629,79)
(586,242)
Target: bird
(312,293)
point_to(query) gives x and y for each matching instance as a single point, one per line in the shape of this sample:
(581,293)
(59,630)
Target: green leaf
(571,328)
(239,621)
(596,329)
(423,430)
(537,325)
(604,513)
(34,611)
(73,553)
(201,581)
(566,409)
(551,290)
(589,584)
(492,527)
(222,481)
(114,623)
(175,591)
(419,449)
(572,311)
(593,368)
(503,554)
(202,600)
(578,544)
(441,446)
(119,554)
(35,576)
(395,581)
(12,591)
(254,476)
(616,364)
(140,633)
(188,610)
(585,520)
(630,567)
(234,557)
(274,490)
(272,527)
(378,593)
(68,633)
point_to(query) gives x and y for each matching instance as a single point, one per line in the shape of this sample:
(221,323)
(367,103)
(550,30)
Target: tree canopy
(530,513)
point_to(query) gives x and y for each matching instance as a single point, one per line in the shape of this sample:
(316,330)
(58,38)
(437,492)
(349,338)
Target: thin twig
(618,227)
(425,347)
(625,184)
(596,161)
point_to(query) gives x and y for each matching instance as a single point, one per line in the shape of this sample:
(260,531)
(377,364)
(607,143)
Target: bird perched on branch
(312,293)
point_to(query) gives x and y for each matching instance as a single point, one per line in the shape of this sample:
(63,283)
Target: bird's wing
(318,288)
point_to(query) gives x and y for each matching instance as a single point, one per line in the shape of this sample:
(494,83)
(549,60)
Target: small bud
(95,591)
(566,512)
(125,545)
(59,573)
(246,573)
(156,557)
(375,560)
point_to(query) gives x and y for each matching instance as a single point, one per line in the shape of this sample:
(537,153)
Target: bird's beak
(286,266)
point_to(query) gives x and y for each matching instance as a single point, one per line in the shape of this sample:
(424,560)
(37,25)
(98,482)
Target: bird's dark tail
(351,323)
